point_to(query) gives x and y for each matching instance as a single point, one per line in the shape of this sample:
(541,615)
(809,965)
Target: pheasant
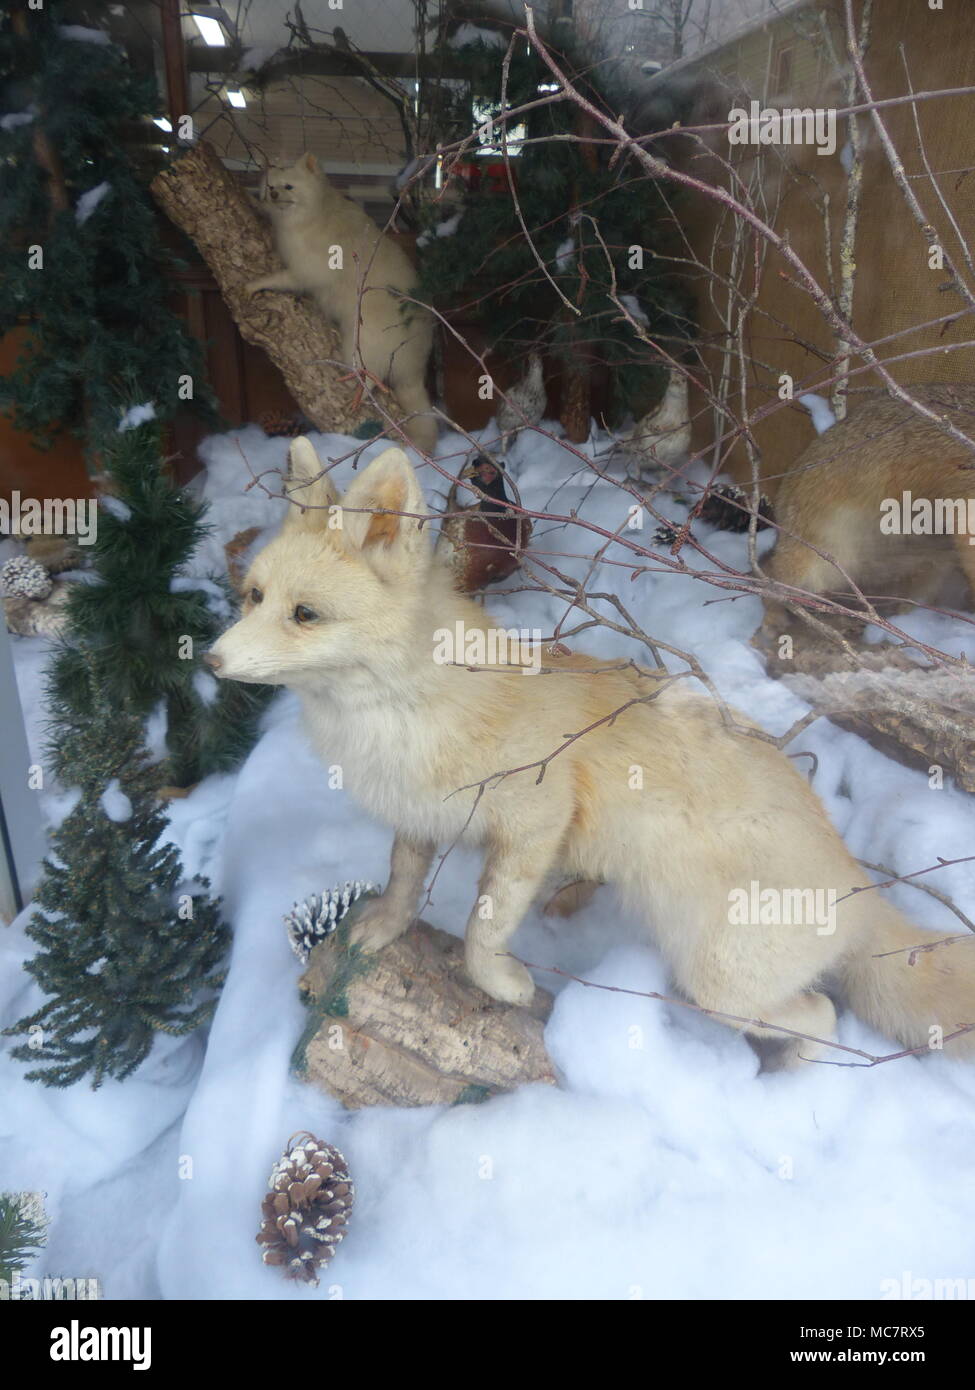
(482,543)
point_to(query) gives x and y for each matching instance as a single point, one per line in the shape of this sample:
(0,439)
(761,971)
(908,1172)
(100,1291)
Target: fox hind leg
(808,1013)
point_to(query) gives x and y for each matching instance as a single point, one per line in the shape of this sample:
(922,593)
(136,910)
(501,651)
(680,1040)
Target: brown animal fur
(831,499)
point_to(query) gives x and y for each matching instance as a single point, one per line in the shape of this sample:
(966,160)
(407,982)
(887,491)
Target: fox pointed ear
(310,163)
(382,513)
(308,486)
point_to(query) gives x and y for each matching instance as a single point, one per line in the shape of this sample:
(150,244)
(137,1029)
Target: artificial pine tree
(142,626)
(81,261)
(566,189)
(127,945)
(23,1232)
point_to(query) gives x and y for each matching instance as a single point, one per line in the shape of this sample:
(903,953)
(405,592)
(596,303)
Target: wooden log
(406,1027)
(921,718)
(206,202)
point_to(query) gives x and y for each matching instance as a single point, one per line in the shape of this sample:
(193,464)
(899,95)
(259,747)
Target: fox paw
(504,979)
(376,926)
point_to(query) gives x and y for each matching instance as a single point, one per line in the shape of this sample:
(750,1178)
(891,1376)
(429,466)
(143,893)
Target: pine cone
(318,916)
(307,1208)
(23,577)
(728,507)
(283,426)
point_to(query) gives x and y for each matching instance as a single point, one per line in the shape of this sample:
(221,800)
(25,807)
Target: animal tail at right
(916,1004)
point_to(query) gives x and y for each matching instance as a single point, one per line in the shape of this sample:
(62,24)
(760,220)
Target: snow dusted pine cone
(23,577)
(318,916)
(307,1209)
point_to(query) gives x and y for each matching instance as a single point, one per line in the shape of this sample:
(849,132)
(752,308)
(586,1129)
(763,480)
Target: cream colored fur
(393,339)
(416,739)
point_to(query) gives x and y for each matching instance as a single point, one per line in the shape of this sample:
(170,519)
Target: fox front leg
(282,280)
(389,915)
(510,881)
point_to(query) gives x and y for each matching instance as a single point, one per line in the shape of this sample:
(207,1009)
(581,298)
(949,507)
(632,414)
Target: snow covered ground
(661,1167)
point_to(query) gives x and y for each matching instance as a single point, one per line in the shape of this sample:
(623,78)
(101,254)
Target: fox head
(338,589)
(299,187)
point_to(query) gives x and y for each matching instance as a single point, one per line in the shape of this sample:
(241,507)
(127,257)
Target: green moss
(351,964)
(474,1094)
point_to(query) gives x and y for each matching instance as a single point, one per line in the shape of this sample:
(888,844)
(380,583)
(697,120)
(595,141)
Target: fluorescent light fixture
(163,124)
(212,31)
(237,99)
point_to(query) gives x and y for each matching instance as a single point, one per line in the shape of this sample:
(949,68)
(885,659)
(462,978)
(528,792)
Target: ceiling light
(162,123)
(237,99)
(210,31)
(214,24)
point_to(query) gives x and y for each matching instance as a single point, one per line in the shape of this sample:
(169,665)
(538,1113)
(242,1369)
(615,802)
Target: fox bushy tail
(912,1002)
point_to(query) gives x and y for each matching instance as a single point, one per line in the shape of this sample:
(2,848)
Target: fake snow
(156,728)
(819,411)
(206,686)
(119,509)
(690,1174)
(80,33)
(446,228)
(13,119)
(406,173)
(563,254)
(136,415)
(115,803)
(632,306)
(89,201)
(216,598)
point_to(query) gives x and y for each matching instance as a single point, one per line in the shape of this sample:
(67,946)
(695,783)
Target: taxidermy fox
(349,607)
(890,497)
(313,225)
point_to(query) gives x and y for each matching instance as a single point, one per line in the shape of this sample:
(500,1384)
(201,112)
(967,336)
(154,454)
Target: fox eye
(256,596)
(304,615)
(287,187)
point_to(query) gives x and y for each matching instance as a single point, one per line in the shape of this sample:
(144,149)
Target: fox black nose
(212,661)
(273,194)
